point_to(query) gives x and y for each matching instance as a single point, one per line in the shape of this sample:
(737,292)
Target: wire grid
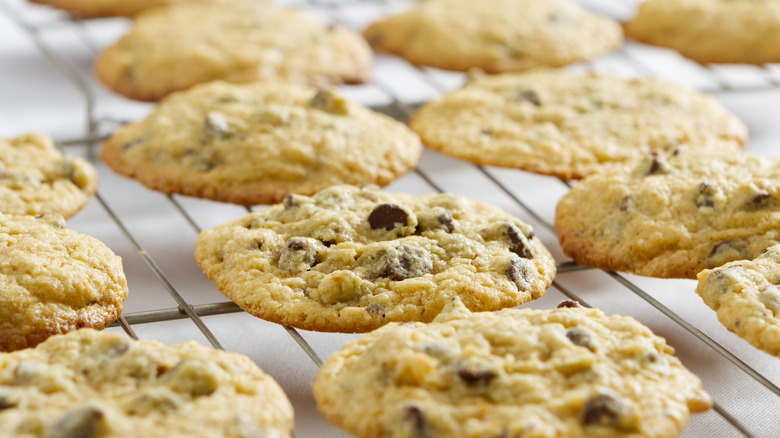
(397,89)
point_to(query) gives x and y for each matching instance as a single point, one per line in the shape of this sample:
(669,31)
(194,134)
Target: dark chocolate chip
(416,417)
(518,242)
(78,423)
(299,254)
(728,250)
(386,216)
(527,96)
(437,218)
(521,274)
(706,196)
(407,262)
(291,201)
(472,377)
(603,410)
(377,309)
(569,304)
(655,166)
(762,201)
(580,336)
(8,399)
(487,131)
(625,203)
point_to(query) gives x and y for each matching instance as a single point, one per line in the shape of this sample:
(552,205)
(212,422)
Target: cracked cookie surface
(495,35)
(719,31)
(257,143)
(54,280)
(35,178)
(174,48)
(673,215)
(571,125)
(746,297)
(90,384)
(567,372)
(351,259)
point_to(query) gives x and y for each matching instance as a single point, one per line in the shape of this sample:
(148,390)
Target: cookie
(673,215)
(746,296)
(495,35)
(174,48)
(35,178)
(89,384)
(570,125)
(717,31)
(257,143)
(350,259)
(108,8)
(567,372)
(54,280)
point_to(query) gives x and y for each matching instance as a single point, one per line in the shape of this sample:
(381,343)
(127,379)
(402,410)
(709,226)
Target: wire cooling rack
(46,85)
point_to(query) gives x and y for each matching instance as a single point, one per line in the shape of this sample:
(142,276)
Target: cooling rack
(46,85)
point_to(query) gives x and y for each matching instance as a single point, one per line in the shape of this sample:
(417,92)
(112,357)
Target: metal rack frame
(94,133)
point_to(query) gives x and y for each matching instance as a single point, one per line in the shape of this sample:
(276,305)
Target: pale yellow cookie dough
(495,35)
(563,373)
(89,384)
(54,280)
(351,259)
(257,143)
(673,215)
(35,178)
(746,296)
(719,31)
(174,48)
(571,125)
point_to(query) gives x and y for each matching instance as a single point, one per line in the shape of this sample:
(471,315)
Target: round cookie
(350,259)
(718,31)
(567,372)
(673,215)
(89,384)
(495,35)
(108,8)
(174,48)
(54,280)
(35,178)
(570,125)
(257,143)
(746,296)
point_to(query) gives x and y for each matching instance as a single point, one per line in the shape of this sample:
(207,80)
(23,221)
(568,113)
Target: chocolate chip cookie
(746,296)
(673,215)
(567,372)
(350,259)
(720,31)
(257,143)
(495,35)
(173,48)
(35,178)
(54,280)
(89,384)
(571,125)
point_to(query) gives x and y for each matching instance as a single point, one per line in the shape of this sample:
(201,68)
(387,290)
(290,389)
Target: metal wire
(399,110)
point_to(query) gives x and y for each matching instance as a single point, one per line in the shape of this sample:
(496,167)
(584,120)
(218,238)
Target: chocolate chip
(386,216)
(604,410)
(706,196)
(79,423)
(291,201)
(330,102)
(472,377)
(625,203)
(437,218)
(406,262)
(416,417)
(657,166)
(376,309)
(580,336)
(526,96)
(759,202)
(215,127)
(518,242)
(569,304)
(521,273)
(299,254)
(487,131)
(728,250)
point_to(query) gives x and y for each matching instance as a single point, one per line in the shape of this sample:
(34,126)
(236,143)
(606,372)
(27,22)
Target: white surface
(36,96)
